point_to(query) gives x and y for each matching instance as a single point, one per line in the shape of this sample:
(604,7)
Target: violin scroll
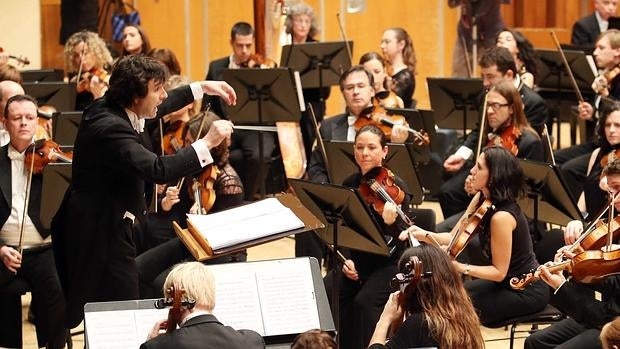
(176,302)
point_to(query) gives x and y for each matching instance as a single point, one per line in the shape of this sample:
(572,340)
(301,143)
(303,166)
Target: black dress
(404,86)
(413,333)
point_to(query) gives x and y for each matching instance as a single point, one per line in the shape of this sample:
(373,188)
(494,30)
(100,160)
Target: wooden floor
(284,248)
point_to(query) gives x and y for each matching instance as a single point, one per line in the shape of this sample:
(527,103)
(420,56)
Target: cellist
(586,314)
(504,238)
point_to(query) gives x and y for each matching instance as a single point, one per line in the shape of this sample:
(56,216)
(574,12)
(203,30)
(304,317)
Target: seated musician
(29,257)
(314,339)
(198,328)
(586,314)
(154,264)
(522,52)
(507,127)
(364,277)
(496,65)
(375,64)
(244,149)
(436,308)
(87,63)
(504,237)
(8,89)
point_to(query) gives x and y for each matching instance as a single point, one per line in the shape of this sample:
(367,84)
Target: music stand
(456,102)
(399,159)
(60,95)
(549,199)
(264,97)
(65,127)
(346,215)
(56,180)
(319,64)
(421,154)
(43,75)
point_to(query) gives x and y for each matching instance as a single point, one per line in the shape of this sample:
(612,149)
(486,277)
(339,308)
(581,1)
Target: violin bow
(612,212)
(344,37)
(483,125)
(319,139)
(79,73)
(20,246)
(567,66)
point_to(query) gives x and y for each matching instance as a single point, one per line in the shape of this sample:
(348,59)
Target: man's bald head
(8,89)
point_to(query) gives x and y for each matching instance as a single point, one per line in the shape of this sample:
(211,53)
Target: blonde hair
(95,44)
(197,281)
(610,334)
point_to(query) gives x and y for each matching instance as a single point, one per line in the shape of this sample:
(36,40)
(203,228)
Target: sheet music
(236,300)
(121,328)
(245,223)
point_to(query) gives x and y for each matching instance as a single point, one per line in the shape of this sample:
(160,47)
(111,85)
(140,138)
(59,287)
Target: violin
(378,116)
(173,139)
(45,151)
(506,139)
(22,61)
(389,99)
(176,303)
(83,80)
(470,226)
(203,188)
(600,85)
(378,187)
(256,60)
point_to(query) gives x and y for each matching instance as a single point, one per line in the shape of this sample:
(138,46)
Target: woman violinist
(437,310)
(523,53)
(155,263)
(135,41)
(87,61)
(505,240)
(365,277)
(397,48)
(375,64)
(586,314)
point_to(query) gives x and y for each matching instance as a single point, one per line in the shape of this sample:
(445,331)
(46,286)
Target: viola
(176,303)
(173,139)
(378,187)
(256,60)
(203,188)
(378,116)
(506,139)
(470,226)
(45,151)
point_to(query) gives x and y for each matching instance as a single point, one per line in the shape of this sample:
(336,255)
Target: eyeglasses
(495,106)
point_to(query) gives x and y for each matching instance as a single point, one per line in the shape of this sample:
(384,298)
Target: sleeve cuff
(559,287)
(196,90)
(202,151)
(464,152)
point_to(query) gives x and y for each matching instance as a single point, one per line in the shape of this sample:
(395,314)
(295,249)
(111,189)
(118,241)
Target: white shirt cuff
(196,90)
(200,146)
(464,152)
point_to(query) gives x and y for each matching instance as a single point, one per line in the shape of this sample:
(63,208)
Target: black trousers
(566,334)
(245,158)
(573,162)
(38,270)
(452,196)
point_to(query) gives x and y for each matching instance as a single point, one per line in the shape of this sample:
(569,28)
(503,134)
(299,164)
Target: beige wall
(20,34)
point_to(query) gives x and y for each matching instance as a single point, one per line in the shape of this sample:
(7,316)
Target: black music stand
(319,64)
(60,95)
(65,127)
(456,102)
(348,223)
(43,75)
(264,97)
(419,121)
(549,199)
(56,180)
(399,159)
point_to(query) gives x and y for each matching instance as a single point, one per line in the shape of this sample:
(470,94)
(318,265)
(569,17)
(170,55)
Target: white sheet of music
(121,328)
(245,223)
(276,298)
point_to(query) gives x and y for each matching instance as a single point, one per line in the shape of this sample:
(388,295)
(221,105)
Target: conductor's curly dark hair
(130,78)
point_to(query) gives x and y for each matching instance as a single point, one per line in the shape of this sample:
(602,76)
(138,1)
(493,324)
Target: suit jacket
(334,128)
(110,167)
(34,205)
(585,31)
(216,68)
(206,332)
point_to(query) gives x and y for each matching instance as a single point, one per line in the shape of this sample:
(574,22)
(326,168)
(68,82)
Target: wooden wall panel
(51,49)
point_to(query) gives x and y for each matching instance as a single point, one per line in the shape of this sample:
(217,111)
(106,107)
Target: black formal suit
(38,270)
(585,31)
(334,128)
(93,231)
(244,151)
(206,332)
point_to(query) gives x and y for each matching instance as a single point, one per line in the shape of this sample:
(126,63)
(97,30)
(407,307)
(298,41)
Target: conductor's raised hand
(218,132)
(221,89)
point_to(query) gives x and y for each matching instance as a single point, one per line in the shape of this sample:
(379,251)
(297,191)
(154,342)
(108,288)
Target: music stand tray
(319,64)
(65,126)
(60,95)
(56,180)
(43,75)
(549,199)
(399,159)
(455,101)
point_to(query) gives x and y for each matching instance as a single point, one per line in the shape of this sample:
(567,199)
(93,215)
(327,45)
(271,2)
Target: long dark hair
(526,53)
(600,127)
(506,180)
(145,48)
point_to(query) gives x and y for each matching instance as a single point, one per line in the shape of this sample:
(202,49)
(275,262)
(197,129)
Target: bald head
(8,89)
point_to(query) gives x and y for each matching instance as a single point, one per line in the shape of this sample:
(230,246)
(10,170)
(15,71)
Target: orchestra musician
(505,239)
(135,41)
(496,65)
(574,160)
(8,89)
(508,127)
(198,328)
(587,29)
(364,277)
(522,52)
(397,48)
(29,258)
(105,204)
(427,301)
(87,62)
(586,314)
(375,64)
(244,150)
(154,264)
